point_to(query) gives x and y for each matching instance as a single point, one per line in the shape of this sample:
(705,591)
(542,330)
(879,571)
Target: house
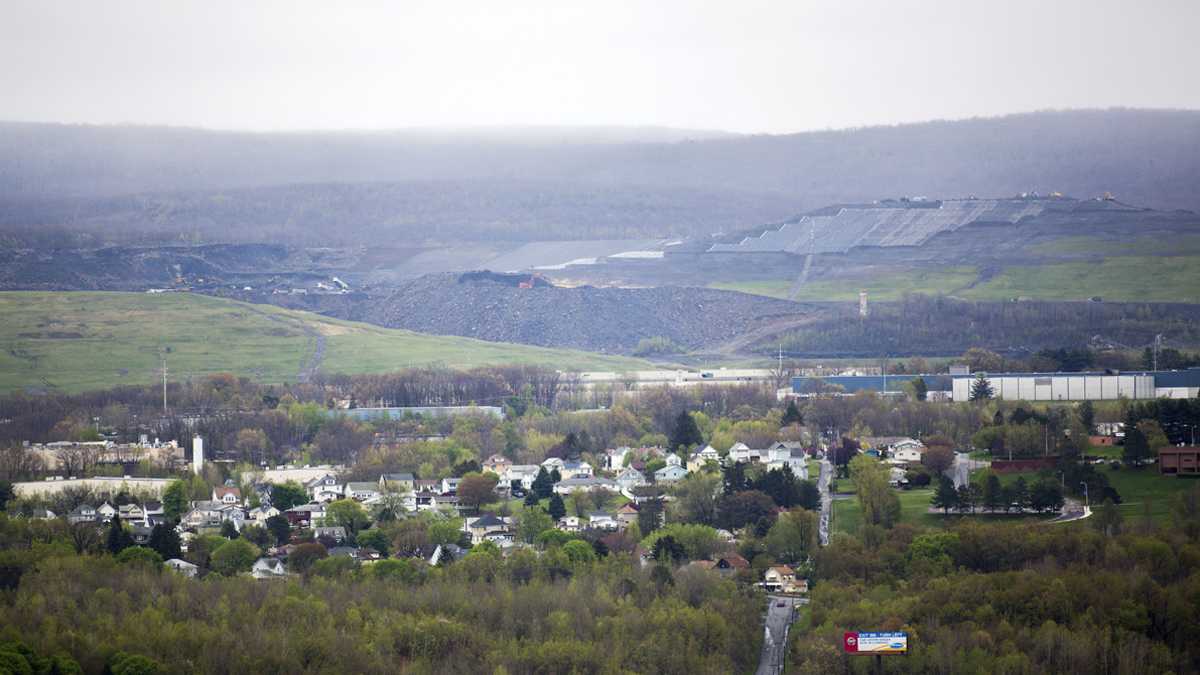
(336,534)
(740,452)
(627,514)
(450,485)
(526,473)
(574,468)
(614,458)
(551,464)
(782,579)
(260,514)
(566,487)
(892,446)
(344,552)
(268,568)
(487,524)
(184,567)
(600,520)
(152,508)
(791,455)
(670,473)
(730,564)
(698,460)
(424,500)
(227,495)
(361,491)
(141,534)
(402,482)
(106,512)
(130,512)
(630,478)
(324,489)
(897,477)
(497,464)
(305,514)
(206,514)
(569,524)
(84,513)
(446,552)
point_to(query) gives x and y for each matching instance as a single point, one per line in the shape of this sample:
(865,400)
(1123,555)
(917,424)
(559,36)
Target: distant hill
(567,183)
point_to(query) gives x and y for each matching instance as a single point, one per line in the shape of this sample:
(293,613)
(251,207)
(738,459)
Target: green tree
(286,495)
(685,432)
(557,509)
(1137,449)
(793,536)
(792,415)
(1087,416)
(304,556)
(1108,518)
(175,500)
(445,531)
(234,557)
(650,516)
(879,502)
(533,521)
(1154,435)
(476,489)
(920,390)
(946,497)
(165,540)
(375,538)
(981,388)
(118,538)
(133,664)
(579,552)
(348,514)
(543,485)
(140,555)
(993,493)
(280,529)
(1046,495)
(229,530)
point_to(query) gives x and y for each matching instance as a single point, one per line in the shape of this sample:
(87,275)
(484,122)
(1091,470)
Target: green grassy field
(1125,278)
(889,286)
(84,340)
(1147,245)
(1142,490)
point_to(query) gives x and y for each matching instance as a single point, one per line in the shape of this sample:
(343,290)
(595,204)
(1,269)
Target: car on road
(781,604)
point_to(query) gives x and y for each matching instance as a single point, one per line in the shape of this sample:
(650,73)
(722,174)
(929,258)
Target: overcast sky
(743,65)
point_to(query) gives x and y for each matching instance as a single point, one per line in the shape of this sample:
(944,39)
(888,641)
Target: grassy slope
(81,341)
(1125,278)
(884,287)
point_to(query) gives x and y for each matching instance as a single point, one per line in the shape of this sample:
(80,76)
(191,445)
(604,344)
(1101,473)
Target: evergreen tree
(792,414)
(557,508)
(165,540)
(1137,448)
(649,516)
(118,538)
(1020,493)
(981,388)
(735,478)
(555,478)
(685,433)
(543,484)
(531,498)
(229,530)
(945,498)
(1108,518)
(280,528)
(920,388)
(993,493)
(965,497)
(1087,416)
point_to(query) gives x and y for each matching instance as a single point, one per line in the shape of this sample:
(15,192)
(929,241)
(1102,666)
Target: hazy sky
(742,65)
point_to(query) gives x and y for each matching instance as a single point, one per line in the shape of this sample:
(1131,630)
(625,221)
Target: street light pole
(1086,504)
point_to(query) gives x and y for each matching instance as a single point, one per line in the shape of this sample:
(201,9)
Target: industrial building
(1085,386)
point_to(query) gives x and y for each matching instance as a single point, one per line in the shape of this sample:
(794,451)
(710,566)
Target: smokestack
(197,455)
(862,303)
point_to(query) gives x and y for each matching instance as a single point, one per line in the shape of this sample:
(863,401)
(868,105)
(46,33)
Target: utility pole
(164,372)
(1157,345)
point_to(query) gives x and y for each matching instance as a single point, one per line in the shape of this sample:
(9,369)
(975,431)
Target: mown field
(1154,275)
(87,340)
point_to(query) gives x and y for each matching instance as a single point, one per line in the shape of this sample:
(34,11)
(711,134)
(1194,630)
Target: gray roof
(488,520)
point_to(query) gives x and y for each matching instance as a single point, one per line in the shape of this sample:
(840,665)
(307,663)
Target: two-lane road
(780,612)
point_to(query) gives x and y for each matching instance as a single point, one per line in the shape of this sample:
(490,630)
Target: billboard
(875,643)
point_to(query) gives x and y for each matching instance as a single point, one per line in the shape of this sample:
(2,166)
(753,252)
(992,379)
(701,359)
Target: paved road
(826,500)
(779,620)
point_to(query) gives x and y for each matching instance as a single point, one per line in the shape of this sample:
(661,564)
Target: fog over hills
(568,182)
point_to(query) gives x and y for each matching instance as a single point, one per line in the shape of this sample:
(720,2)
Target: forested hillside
(482,185)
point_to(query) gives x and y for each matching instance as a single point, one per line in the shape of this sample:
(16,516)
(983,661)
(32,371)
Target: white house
(497,464)
(489,524)
(106,512)
(362,491)
(573,468)
(614,458)
(699,459)
(791,455)
(184,567)
(260,514)
(324,489)
(569,524)
(630,478)
(670,473)
(908,450)
(552,463)
(600,520)
(526,473)
(268,568)
(450,485)
(566,487)
(226,495)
